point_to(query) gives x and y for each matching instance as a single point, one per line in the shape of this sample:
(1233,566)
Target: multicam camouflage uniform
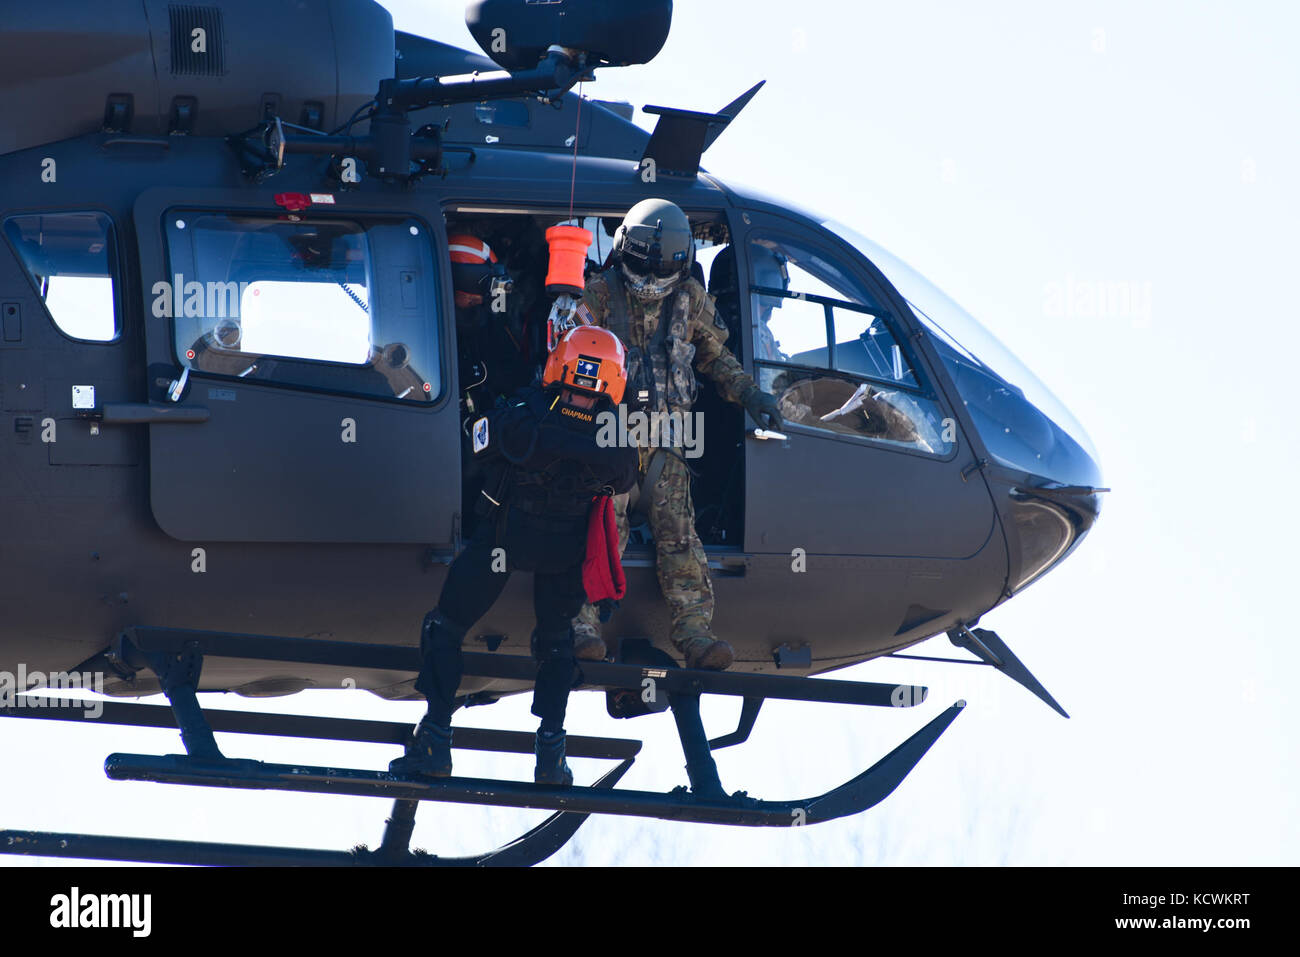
(695,335)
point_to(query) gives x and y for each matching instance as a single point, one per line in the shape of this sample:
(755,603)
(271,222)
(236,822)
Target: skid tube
(862,792)
(525,851)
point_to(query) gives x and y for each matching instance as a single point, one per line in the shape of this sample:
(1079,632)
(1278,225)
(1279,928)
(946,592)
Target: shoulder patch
(480,435)
(710,309)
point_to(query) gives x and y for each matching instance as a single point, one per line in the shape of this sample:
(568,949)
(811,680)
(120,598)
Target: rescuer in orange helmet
(474,266)
(496,354)
(550,475)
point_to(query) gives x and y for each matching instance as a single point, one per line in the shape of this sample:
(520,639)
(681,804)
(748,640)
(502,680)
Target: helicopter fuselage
(168,474)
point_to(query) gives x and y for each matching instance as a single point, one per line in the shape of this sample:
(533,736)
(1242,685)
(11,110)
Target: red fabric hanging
(602,570)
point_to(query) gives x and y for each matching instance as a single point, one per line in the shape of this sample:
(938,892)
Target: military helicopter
(235,396)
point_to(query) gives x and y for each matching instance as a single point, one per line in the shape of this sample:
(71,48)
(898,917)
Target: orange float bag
(569,245)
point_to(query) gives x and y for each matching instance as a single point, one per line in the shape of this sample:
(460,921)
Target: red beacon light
(297,202)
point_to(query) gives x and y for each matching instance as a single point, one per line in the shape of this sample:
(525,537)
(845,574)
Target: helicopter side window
(335,305)
(71,259)
(828,351)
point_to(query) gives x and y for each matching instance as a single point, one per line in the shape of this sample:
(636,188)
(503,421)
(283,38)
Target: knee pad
(552,646)
(439,631)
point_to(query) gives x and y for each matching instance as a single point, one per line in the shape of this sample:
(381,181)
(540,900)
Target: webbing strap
(620,322)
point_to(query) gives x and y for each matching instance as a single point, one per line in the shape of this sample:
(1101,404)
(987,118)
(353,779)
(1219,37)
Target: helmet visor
(640,266)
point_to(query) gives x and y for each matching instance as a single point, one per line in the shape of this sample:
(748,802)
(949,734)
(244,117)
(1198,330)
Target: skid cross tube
(135,644)
(398,829)
(178,670)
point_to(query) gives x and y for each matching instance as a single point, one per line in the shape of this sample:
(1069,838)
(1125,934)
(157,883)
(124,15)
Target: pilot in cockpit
(770,272)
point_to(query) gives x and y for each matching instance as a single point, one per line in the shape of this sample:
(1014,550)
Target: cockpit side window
(338,305)
(72,260)
(829,352)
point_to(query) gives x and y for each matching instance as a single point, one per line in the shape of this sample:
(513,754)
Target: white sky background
(999,149)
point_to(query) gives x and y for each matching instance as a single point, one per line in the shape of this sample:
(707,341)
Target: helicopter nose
(1052,477)
(1045,531)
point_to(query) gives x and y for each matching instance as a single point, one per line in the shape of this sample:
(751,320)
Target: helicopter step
(174,650)
(310,726)
(862,792)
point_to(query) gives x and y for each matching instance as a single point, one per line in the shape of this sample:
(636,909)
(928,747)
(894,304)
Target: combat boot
(587,645)
(551,766)
(706,653)
(428,753)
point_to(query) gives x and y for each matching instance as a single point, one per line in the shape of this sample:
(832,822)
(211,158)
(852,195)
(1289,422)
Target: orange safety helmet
(589,359)
(472,262)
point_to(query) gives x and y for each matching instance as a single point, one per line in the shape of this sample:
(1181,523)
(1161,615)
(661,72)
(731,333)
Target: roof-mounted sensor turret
(518,34)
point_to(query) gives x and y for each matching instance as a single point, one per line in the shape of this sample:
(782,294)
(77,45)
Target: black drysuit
(549,467)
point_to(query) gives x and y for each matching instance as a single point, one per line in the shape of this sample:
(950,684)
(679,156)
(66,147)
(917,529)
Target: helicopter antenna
(680,137)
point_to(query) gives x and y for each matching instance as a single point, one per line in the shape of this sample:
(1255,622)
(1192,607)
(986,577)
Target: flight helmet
(588,359)
(654,248)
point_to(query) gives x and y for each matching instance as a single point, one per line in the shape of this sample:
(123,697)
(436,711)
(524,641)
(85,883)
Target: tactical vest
(660,378)
(563,490)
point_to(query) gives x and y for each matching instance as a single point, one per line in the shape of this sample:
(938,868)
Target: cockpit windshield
(1021,422)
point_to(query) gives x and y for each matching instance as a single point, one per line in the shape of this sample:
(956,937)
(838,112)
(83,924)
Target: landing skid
(529,849)
(525,851)
(865,791)
(176,657)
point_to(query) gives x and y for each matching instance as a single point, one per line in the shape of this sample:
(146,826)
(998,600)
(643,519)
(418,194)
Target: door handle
(766,434)
(143,413)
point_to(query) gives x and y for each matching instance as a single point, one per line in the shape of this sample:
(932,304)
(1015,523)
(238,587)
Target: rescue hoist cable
(566,274)
(577,129)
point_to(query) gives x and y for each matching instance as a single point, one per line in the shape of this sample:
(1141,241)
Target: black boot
(428,753)
(551,766)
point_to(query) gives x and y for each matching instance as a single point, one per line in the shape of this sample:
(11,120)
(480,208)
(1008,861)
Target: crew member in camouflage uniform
(667,322)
